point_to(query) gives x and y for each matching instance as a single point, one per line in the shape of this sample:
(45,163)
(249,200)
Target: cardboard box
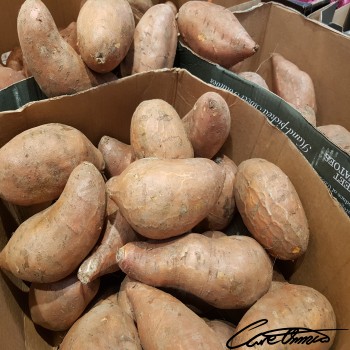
(325,48)
(304,7)
(107,110)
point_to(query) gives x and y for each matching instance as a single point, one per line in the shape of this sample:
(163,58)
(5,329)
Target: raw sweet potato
(102,261)
(9,76)
(54,64)
(223,329)
(214,32)
(208,124)
(156,130)
(161,198)
(35,164)
(116,154)
(56,306)
(69,34)
(139,8)
(271,208)
(164,323)
(105,31)
(255,78)
(304,311)
(172,5)
(15,59)
(103,327)
(214,234)
(50,245)
(231,272)
(292,84)
(155,39)
(222,213)
(308,113)
(339,135)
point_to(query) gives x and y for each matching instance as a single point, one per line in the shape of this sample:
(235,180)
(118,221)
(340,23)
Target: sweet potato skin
(105,31)
(69,34)
(9,76)
(214,33)
(56,306)
(255,78)
(339,135)
(292,84)
(103,327)
(162,198)
(156,130)
(181,328)
(15,59)
(155,39)
(51,244)
(54,64)
(31,173)
(271,209)
(224,279)
(223,329)
(289,305)
(208,124)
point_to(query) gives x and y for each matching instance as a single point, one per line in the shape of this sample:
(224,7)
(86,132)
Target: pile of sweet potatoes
(155,212)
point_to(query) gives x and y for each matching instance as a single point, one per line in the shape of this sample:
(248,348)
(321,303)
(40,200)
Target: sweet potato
(156,130)
(292,84)
(164,323)
(139,8)
(214,32)
(208,124)
(214,234)
(105,31)
(51,244)
(54,64)
(339,135)
(231,272)
(35,164)
(162,198)
(155,39)
(271,208)
(308,113)
(69,34)
(9,76)
(56,306)
(103,327)
(222,213)
(223,329)
(255,78)
(116,154)
(287,306)
(172,5)
(15,59)
(102,261)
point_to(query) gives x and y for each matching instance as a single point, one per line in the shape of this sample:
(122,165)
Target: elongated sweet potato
(9,76)
(271,208)
(231,272)
(116,154)
(164,323)
(156,130)
(51,244)
(161,198)
(105,31)
(308,113)
(69,34)
(222,213)
(102,261)
(208,124)
(103,327)
(223,329)
(54,64)
(214,32)
(255,78)
(139,8)
(292,84)
(56,306)
(339,135)
(35,164)
(301,310)
(155,39)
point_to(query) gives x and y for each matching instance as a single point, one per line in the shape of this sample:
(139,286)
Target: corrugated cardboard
(107,110)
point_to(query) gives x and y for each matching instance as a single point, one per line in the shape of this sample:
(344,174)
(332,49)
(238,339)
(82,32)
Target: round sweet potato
(287,306)
(54,64)
(271,209)
(208,124)
(56,306)
(231,272)
(105,31)
(155,39)
(161,198)
(35,164)
(51,244)
(214,32)
(156,130)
